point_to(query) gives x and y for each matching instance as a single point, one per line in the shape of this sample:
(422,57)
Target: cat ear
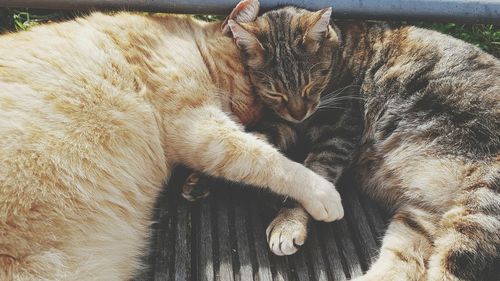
(245,11)
(247,42)
(244,39)
(317,27)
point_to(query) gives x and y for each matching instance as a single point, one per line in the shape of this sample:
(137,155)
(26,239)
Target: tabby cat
(424,139)
(94,115)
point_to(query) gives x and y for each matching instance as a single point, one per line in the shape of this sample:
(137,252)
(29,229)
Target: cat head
(289,55)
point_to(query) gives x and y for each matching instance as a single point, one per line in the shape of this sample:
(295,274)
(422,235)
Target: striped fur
(293,82)
(417,111)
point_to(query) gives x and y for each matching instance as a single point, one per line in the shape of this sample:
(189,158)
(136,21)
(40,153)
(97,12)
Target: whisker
(335,99)
(339,91)
(331,100)
(332,94)
(328,108)
(316,64)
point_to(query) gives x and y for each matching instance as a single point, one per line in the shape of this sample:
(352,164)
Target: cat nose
(297,109)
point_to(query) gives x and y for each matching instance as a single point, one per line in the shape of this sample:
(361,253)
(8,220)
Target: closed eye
(276,95)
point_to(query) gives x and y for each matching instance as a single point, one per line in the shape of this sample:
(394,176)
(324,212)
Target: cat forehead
(284,17)
(285,13)
(282,26)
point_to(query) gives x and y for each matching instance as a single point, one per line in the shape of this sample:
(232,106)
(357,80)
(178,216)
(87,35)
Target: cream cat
(94,115)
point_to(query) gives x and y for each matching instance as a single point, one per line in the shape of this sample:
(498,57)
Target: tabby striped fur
(426,137)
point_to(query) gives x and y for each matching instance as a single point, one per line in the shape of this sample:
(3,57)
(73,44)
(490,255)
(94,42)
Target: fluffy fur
(94,115)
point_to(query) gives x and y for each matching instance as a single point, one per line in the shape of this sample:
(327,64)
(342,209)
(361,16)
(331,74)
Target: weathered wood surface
(223,238)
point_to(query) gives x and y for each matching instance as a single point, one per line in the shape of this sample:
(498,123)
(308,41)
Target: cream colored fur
(94,115)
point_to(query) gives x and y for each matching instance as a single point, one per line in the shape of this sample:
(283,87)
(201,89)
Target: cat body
(95,113)
(425,142)
(430,149)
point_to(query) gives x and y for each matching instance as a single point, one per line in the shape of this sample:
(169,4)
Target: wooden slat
(375,218)
(332,252)
(258,228)
(182,259)
(224,247)
(281,269)
(223,238)
(299,267)
(163,246)
(347,249)
(242,241)
(315,257)
(205,254)
(365,240)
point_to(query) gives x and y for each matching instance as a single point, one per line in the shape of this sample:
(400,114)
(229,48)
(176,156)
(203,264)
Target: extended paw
(322,201)
(389,276)
(195,187)
(285,236)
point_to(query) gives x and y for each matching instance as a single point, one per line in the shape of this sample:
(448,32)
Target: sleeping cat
(94,115)
(429,146)
(425,140)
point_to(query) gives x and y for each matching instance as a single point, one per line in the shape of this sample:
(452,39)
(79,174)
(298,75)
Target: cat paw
(286,236)
(195,188)
(322,201)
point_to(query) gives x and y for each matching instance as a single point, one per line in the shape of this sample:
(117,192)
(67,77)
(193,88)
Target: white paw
(322,201)
(286,236)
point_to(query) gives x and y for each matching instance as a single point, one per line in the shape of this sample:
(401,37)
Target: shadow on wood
(223,238)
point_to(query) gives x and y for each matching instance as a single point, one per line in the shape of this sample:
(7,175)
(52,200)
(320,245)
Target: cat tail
(469,245)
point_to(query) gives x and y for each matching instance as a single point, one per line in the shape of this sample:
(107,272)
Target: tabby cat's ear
(245,11)
(247,42)
(317,27)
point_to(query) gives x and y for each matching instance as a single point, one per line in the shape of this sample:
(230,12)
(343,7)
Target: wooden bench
(223,238)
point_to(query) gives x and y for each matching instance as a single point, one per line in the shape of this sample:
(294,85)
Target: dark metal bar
(486,11)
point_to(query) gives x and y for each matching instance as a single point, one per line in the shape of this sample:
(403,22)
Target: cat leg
(405,249)
(288,231)
(206,139)
(331,152)
(196,185)
(468,247)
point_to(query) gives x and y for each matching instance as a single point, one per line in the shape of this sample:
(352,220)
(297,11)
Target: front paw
(322,201)
(285,235)
(387,276)
(195,187)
